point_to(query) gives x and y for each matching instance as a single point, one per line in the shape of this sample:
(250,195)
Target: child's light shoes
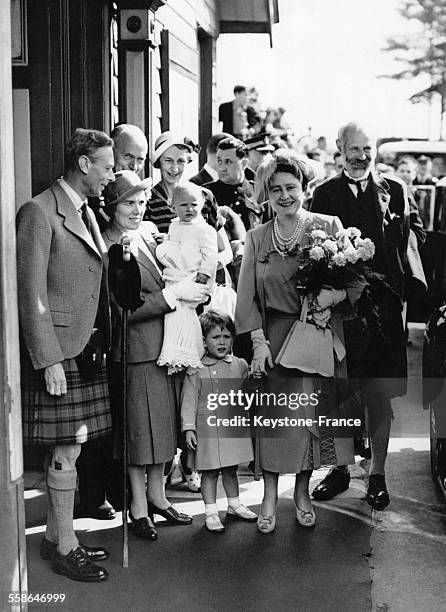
(241,513)
(213,523)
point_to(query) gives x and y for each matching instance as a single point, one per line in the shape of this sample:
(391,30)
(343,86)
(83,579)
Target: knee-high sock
(61,487)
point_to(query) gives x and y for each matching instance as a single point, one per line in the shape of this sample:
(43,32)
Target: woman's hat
(126,184)
(170,139)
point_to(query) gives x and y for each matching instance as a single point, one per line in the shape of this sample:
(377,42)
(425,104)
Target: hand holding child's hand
(191,440)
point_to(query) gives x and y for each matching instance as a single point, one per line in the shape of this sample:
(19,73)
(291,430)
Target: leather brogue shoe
(103,513)
(77,566)
(171,514)
(143,528)
(377,495)
(334,483)
(93,553)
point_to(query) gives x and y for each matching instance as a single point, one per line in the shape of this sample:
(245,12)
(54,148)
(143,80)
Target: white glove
(321,318)
(328,298)
(261,353)
(190,291)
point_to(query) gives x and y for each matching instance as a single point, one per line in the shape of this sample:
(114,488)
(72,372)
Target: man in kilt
(65,331)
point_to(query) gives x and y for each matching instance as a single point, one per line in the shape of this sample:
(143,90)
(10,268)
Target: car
(389,152)
(434,392)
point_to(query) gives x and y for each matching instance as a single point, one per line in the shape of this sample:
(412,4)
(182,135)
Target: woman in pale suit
(152,438)
(268,304)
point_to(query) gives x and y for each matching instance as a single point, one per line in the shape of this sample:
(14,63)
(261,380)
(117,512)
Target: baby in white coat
(188,253)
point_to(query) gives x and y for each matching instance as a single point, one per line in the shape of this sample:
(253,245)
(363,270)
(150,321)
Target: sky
(323,68)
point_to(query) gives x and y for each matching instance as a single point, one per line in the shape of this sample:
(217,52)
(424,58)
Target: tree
(423,53)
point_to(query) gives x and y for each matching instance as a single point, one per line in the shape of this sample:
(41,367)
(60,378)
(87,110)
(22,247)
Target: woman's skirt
(151,420)
(81,415)
(294,448)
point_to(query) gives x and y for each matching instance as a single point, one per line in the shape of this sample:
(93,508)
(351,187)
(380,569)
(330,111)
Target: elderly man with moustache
(100,493)
(379,207)
(65,330)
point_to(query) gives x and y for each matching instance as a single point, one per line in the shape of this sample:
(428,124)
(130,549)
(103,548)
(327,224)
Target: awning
(249,16)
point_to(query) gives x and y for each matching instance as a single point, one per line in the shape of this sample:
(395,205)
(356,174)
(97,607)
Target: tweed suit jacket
(59,268)
(145,325)
(392,211)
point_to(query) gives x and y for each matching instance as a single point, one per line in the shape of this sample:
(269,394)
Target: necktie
(85,217)
(357,184)
(102,313)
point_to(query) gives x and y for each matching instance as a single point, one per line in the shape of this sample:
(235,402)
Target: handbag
(308,348)
(223,297)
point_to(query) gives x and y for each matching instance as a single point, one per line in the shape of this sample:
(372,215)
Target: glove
(321,318)
(328,298)
(261,353)
(190,291)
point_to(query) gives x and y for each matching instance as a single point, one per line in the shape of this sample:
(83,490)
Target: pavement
(354,560)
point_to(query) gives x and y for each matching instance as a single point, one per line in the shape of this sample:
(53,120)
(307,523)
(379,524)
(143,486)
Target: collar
(230,186)
(208,360)
(71,193)
(210,170)
(361,179)
(197,221)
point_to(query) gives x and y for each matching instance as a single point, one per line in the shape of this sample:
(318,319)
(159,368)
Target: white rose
(318,235)
(367,248)
(339,259)
(317,253)
(330,246)
(352,256)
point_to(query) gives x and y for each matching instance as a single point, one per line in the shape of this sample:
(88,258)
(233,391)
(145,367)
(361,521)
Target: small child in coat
(189,254)
(215,452)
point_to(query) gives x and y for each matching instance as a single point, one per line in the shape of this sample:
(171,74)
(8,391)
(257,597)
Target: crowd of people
(245,223)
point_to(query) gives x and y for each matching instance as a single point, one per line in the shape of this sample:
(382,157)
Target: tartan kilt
(83,414)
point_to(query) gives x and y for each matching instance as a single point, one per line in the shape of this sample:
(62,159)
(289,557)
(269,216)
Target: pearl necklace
(283,245)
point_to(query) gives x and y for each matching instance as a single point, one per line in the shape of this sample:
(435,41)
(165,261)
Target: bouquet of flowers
(334,262)
(331,261)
